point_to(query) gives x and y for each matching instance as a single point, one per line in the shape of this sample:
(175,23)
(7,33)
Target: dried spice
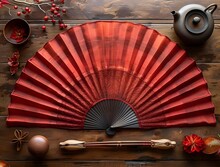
(19,138)
(13,62)
(18,34)
(193,143)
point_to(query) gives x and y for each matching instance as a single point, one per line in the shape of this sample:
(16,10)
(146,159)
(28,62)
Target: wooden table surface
(152,13)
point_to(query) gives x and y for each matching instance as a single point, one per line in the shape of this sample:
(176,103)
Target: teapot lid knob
(196,20)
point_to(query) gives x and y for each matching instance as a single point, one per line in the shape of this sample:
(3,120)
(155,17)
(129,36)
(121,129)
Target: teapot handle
(213,8)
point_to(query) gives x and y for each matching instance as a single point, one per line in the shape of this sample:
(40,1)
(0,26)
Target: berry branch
(54,14)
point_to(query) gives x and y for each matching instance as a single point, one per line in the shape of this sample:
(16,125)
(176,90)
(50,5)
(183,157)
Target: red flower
(18,34)
(193,143)
(3,2)
(13,62)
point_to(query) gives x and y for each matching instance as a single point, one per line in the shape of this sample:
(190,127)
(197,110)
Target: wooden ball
(38,146)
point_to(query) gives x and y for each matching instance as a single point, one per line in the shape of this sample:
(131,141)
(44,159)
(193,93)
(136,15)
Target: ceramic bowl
(17,31)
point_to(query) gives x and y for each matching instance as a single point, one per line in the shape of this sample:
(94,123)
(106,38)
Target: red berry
(52,9)
(55,12)
(18,13)
(43,28)
(65,26)
(58,14)
(24,12)
(64,10)
(53,5)
(46,18)
(53,21)
(57,8)
(61,26)
(27,9)
(15,7)
(62,1)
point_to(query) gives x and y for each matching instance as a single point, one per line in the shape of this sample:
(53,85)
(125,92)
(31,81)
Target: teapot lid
(196,21)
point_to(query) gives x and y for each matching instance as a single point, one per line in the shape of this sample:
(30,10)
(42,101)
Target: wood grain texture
(114,163)
(113,9)
(152,13)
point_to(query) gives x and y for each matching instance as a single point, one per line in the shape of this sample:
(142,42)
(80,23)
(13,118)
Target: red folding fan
(106,75)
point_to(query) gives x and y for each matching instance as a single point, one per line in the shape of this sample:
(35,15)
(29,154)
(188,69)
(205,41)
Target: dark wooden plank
(77,164)
(144,9)
(114,163)
(112,9)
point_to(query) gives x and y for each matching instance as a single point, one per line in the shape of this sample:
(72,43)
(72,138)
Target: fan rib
(73,74)
(25,121)
(150,61)
(96,60)
(130,59)
(47,87)
(162,76)
(110,113)
(171,88)
(67,50)
(43,76)
(164,107)
(44,114)
(43,96)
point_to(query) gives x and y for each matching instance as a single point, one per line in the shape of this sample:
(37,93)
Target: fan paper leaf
(125,74)
(3,2)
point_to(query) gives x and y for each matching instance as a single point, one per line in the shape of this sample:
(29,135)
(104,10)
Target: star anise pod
(19,138)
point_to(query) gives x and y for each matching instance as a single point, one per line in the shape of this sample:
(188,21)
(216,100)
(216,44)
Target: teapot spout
(175,15)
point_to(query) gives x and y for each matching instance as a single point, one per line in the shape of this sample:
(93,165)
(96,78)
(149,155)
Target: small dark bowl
(17,31)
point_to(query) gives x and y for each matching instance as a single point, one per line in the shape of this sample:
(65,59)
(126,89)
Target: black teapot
(194,23)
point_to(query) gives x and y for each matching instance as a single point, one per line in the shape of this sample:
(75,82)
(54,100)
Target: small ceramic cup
(17,31)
